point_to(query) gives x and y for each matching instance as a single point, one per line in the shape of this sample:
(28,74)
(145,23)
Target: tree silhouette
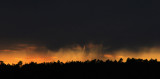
(94,69)
(1,63)
(120,60)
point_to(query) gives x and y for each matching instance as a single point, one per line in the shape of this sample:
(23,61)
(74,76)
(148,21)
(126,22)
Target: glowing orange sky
(39,54)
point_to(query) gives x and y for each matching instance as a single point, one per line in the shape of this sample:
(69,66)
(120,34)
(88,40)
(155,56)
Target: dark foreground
(95,69)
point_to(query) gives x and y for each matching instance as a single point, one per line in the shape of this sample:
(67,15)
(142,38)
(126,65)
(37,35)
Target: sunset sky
(51,30)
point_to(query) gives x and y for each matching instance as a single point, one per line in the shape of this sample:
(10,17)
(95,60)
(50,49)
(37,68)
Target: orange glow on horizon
(6,50)
(107,55)
(31,53)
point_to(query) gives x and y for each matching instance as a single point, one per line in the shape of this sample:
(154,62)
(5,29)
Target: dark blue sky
(118,24)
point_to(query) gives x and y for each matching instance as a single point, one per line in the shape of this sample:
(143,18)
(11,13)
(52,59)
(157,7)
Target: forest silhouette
(94,69)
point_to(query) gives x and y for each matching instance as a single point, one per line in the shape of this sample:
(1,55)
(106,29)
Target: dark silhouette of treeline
(94,69)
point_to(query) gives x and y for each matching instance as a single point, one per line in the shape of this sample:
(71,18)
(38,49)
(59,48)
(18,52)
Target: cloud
(39,54)
(42,26)
(56,24)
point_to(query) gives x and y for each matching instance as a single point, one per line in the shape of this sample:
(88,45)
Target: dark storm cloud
(57,23)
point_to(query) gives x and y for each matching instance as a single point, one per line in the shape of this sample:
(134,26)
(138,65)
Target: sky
(36,30)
